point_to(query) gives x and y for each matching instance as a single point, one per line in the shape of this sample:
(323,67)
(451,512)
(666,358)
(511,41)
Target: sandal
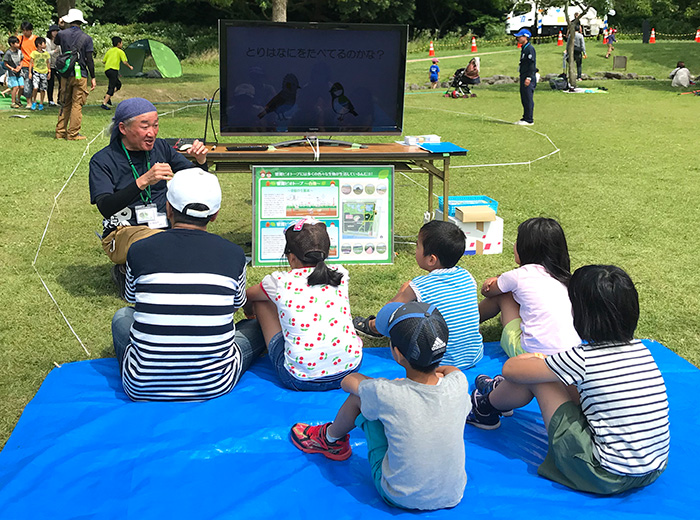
(362,326)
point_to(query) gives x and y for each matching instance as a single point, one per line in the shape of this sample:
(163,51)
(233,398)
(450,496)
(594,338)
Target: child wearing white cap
(179,341)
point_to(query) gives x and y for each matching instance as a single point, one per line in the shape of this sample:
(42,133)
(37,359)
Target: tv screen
(311,79)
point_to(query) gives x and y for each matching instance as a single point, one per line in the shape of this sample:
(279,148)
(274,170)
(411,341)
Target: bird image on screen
(311,79)
(285,99)
(340,102)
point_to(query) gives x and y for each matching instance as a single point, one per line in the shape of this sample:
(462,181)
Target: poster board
(356,202)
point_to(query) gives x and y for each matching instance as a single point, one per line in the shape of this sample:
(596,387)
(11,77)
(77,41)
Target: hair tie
(299,224)
(315,255)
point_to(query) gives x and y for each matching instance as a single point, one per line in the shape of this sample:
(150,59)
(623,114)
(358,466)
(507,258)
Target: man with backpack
(76,50)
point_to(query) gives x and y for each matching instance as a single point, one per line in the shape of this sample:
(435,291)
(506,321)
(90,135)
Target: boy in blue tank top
(451,288)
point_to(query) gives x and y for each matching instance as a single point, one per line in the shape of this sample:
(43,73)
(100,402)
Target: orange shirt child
(28,45)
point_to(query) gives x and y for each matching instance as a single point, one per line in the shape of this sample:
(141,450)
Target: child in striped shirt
(609,431)
(452,289)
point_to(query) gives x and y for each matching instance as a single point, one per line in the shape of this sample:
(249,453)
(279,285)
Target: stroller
(459,88)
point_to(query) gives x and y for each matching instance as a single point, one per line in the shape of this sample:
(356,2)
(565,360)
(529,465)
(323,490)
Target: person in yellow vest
(113,57)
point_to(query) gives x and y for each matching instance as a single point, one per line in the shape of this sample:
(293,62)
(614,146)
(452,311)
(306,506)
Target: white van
(525,16)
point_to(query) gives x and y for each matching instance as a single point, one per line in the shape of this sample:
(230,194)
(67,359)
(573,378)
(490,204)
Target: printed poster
(355,202)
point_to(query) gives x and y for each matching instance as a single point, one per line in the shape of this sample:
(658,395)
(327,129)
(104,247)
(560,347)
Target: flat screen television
(311,79)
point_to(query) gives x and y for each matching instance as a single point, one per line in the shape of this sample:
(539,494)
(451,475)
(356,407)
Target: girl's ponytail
(310,243)
(322,274)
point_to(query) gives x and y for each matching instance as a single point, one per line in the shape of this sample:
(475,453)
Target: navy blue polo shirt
(528,63)
(110,172)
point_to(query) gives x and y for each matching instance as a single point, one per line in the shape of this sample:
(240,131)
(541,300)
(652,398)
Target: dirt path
(472,55)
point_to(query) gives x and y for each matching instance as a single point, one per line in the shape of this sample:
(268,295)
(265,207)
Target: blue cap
(523,32)
(127,109)
(417,329)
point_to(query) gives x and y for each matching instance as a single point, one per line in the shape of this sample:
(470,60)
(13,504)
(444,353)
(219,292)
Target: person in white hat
(179,342)
(74,90)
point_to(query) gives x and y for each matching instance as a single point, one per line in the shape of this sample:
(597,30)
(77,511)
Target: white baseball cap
(194,186)
(74,15)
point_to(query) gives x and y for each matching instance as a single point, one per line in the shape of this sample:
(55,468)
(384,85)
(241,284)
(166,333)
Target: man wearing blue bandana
(128,179)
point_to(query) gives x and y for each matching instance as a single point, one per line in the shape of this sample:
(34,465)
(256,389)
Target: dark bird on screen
(284,100)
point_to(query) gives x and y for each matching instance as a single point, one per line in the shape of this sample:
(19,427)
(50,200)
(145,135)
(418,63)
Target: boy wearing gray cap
(414,426)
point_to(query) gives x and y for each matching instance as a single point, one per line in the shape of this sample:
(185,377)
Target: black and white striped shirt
(186,285)
(623,397)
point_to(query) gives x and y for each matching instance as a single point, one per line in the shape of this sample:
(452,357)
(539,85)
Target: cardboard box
(479,214)
(483,237)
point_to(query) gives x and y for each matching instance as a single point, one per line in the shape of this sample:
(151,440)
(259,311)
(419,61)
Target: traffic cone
(652,38)
(431,50)
(697,36)
(605,37)
(473,44)
(560,40)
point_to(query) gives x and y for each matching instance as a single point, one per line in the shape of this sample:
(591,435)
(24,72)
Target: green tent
(166,61)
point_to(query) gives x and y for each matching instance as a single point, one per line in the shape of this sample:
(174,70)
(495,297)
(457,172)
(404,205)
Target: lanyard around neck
(147,198)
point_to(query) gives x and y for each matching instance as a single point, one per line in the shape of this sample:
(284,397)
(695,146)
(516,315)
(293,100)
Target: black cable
(209,119)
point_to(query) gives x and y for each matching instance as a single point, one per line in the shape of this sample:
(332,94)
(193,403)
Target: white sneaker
(523,123)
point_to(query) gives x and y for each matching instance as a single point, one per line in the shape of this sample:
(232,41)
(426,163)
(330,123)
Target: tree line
(439,17)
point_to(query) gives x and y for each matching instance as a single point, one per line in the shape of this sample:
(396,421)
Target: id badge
(146,214)
(160,222)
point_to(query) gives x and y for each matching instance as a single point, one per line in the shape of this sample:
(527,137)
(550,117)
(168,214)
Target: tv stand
(403,158)
(315,141)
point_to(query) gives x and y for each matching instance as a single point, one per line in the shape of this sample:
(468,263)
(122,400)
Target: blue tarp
(83,450)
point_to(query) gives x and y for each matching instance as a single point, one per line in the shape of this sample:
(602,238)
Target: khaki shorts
(510,338)
(571,458)
(118,242)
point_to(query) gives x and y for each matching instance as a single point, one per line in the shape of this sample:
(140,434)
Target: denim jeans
(121,329)
(276,352)
(248,337)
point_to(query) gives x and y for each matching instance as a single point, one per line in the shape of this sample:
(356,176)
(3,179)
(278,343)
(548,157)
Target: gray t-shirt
(424,425)
(13,58)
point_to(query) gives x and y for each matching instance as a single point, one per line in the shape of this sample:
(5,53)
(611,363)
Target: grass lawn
(624,187)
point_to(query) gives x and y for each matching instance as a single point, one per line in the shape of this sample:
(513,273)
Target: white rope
(48,222)
(491,165)
(62,315)
(414,181)
(55,199)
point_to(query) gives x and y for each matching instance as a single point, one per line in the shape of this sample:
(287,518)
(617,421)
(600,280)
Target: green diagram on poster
(356,202)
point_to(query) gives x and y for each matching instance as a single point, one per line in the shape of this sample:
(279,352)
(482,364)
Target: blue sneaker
(485,421)
(485,385)
(33,106)
(41,107)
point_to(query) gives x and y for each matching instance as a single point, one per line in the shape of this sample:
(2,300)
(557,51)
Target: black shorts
(114,83)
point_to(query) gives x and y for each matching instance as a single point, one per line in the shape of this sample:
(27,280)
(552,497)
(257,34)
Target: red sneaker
(312,439)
